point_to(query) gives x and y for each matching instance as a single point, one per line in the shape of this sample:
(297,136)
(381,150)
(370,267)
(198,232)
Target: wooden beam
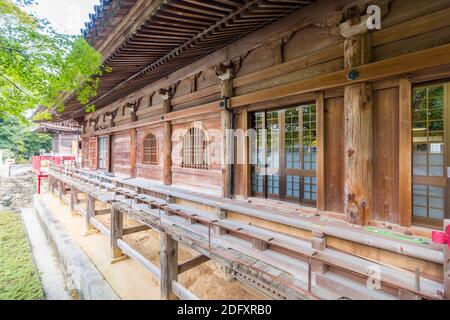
(102,212)
(135,229)
(400,65)
(405,153)
(358,109)
(181,292)
(321,182)
(169,265)
(192,263)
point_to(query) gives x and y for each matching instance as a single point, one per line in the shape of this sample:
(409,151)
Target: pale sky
(66,16)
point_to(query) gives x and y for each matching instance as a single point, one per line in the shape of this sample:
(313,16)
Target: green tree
(39,66)
(16,136)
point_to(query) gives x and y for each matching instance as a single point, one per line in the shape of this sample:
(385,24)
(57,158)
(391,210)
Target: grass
(19,278)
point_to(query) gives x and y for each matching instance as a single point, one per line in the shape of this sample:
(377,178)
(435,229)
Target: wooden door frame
(282,157)
(422,221)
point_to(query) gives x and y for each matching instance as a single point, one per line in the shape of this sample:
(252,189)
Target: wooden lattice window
(195,147)
(150,150)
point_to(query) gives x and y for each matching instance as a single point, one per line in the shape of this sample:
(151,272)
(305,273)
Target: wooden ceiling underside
(178,33)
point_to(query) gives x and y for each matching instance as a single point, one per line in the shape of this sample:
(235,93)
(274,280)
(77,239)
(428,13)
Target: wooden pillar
(167,143)
(405,153)
(169,265)
(90,212)
(116,233)
(358,126)
(447,262)
(225,74)
(320,112)
(73,199)
(60,189)
(133,151)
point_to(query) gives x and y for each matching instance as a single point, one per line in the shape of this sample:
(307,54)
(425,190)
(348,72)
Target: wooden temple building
(295,142)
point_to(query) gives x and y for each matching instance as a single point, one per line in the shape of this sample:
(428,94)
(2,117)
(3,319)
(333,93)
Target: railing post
(319,243)
(73,199)
(169,265)
(90,212)
(116,234)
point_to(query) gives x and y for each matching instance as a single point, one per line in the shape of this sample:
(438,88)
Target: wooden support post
(221,214)
(60,189)
(225,74)
(358,125)
(90,212)
(447,263)
(169,266)
(116,234)
(320,111)
(225,117)
(167,143)
(405,153)
(73,199)
(259,244)
(318,242)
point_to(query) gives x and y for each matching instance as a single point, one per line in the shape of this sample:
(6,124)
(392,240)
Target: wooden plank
(133,150)
(182,292)
(334,154)
(411,28)
(136,256)
(311,59)
(320,175)
(386,155)
(169,265)
(405,153)
(192,263)
(135,229)
(102,212)
(403,64)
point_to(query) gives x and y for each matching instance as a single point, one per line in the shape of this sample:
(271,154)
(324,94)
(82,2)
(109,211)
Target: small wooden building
(305,111)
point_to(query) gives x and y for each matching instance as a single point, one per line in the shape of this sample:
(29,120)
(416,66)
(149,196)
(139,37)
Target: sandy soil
(132,281)
(207,281)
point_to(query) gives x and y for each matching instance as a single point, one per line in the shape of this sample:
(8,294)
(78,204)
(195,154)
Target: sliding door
(431,154)
(284,163)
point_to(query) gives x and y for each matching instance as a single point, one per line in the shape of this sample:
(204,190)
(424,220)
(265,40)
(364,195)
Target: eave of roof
(172,35)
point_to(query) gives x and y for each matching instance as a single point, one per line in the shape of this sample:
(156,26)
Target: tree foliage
(39,66)
(16,136)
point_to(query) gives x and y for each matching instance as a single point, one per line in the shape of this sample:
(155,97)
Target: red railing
(41,165)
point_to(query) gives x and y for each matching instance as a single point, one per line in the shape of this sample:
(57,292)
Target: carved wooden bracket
(111,115)
(168,93)
(350,14)
(134,106)
(224,71)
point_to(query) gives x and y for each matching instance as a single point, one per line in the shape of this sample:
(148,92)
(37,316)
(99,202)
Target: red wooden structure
(41,166)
